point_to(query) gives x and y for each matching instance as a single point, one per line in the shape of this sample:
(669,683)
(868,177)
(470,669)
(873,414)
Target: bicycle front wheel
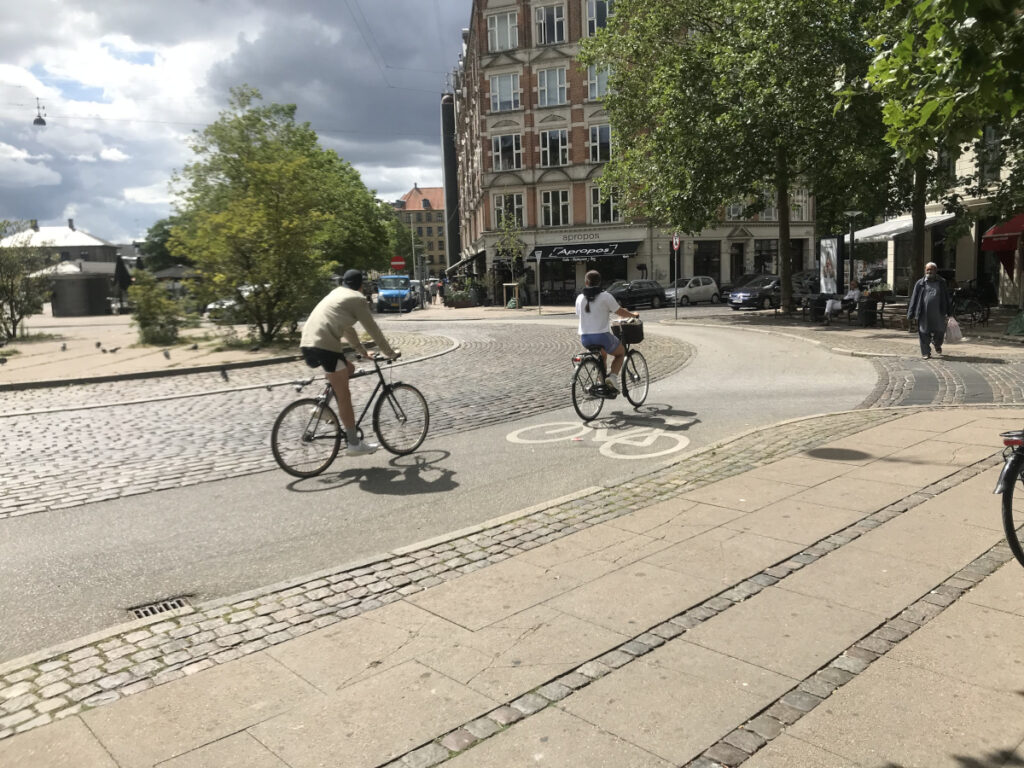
(401,419)
(1013,519)
(587,397)
(635,379)
(306,438)
(969,312)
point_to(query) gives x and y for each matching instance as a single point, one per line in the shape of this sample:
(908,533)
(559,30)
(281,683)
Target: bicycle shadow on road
(412,475)
(650,415)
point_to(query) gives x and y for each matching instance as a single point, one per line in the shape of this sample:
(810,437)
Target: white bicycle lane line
(646,442)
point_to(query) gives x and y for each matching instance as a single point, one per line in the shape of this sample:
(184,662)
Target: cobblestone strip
(751,736)
(48,687)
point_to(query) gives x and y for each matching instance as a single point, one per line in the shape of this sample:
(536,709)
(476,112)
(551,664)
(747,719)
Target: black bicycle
(588,388)
(967,306)
(1009,480)
(307,434)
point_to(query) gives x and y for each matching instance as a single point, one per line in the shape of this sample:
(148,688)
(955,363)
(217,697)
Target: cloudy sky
(123,83)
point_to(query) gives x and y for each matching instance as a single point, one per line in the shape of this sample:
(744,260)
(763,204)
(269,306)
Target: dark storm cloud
(366,74)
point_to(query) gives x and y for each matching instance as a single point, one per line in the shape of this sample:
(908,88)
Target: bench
(893,315)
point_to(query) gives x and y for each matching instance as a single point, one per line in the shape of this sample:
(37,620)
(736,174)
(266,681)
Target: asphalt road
(503,438)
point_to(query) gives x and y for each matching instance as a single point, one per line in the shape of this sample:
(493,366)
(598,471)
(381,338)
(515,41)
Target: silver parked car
(690,290)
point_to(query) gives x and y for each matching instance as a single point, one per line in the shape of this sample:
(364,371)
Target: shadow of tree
(1000,758)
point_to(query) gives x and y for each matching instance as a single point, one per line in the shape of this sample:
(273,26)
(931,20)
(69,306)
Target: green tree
(21,294)
(713,101)
(265,206)
(946,70)
(157,315)
(510,243)
(154,249)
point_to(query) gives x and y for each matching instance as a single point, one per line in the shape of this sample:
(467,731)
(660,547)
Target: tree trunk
(917,203)
(785,257)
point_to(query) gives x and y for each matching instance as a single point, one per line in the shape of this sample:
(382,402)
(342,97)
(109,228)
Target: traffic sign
(675,242)
(397,262)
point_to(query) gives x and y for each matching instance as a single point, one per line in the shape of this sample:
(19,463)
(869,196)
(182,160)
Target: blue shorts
(609,341)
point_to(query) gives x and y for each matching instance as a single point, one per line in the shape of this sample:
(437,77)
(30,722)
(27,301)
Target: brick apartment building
(421,209)
(532,137)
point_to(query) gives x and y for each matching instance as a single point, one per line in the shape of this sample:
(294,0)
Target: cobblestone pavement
(102,669)
(124,438)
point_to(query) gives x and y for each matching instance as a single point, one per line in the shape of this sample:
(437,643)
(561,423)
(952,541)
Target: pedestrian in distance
(331,320)
(930,306)
(440,290)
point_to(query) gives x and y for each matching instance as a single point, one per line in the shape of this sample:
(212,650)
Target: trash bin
(867,313)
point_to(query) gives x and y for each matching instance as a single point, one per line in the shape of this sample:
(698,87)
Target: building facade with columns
(532,137)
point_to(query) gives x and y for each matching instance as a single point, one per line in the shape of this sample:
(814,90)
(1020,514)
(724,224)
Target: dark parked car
(632,294)
(807,283)
(763,293)
(739,282)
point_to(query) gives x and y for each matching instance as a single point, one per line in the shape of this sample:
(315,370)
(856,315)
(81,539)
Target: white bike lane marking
(615,443)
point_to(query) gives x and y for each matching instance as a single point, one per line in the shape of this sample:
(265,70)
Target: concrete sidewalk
(830,592)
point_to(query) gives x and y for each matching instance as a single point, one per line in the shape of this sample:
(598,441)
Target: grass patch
(31,338)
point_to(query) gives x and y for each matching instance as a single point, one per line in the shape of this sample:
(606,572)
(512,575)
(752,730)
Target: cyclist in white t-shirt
(594,307)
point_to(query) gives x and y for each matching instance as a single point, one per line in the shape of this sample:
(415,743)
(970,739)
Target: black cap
(353,279)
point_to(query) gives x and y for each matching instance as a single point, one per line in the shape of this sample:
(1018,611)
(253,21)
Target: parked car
(395,292)
(739,282)
(690,290)
(632,294)
(763,293)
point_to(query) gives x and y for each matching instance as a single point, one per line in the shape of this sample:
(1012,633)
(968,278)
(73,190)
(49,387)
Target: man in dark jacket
(930,305)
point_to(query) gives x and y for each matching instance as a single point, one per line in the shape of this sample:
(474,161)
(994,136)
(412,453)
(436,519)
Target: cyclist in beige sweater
(332,320)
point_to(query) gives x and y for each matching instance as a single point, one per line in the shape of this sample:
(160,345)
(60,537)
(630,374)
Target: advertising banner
(829,248)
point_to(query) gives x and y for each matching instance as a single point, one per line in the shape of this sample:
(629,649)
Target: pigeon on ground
(224,373)
(103,351)
(112,350)
(3,361)
(64,347)
(99,344)
(167,354)
(257,348)
(194,346)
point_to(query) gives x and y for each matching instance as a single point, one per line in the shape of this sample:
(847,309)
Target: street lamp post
(538,253)
(851,215)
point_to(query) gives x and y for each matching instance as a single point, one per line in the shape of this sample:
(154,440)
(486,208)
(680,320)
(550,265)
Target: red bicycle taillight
(1013,442)
(577,359)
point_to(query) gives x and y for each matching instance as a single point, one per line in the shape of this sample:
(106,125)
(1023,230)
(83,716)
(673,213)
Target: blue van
(395,293)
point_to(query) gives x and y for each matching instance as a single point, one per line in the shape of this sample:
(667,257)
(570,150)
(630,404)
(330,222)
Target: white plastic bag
(953,332)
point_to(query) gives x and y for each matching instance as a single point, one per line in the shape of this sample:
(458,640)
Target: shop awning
(888,230)
(585,251)
(1004,236)
(463,263)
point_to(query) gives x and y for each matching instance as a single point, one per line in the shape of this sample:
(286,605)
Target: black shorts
(323,358)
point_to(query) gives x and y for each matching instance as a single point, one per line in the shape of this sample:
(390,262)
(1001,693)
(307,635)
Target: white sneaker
(362,448)
(611,384)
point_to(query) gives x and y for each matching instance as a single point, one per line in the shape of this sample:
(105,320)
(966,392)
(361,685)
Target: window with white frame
(549,24)
(554,147)
(990,156)
(554,206)
(509,205)
(507,152)
(600,143)
(504,92)
(771,209)
(603,210)
(734,211)
(503,31)
(597,82)
(799,205)
(551,87)
(598,12)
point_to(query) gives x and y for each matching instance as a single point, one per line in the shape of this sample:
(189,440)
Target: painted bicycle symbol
(615,442)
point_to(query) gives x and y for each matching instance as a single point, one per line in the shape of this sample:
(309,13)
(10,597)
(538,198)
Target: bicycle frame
(328,392)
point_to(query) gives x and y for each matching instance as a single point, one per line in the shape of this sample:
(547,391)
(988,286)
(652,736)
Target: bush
(157,315)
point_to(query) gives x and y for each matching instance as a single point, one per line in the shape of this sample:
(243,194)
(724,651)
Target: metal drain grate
(163,606)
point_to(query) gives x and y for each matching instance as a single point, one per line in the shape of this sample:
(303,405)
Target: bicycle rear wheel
(306,438)
(587,386)
(968,312)
(401,418)
(635,378)
(1013,518)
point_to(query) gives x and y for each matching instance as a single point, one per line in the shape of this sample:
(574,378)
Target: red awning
(1003,237)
